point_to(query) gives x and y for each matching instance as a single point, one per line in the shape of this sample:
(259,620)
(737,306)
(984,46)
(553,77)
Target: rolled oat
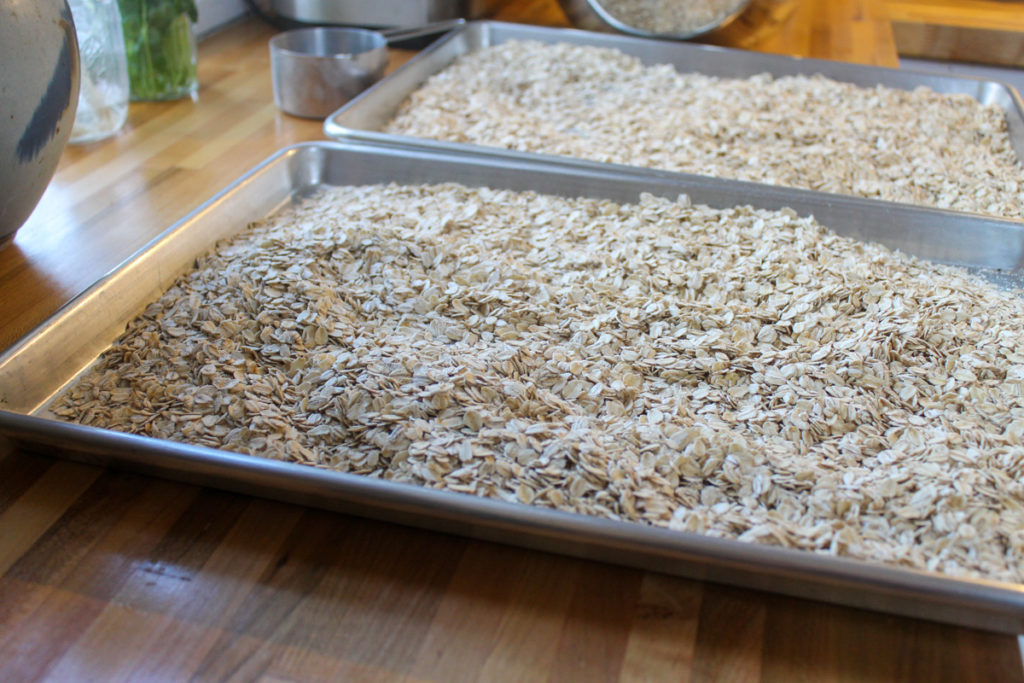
(917,147)
(737,373)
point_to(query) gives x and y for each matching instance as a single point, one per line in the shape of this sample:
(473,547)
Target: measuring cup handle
(425,30)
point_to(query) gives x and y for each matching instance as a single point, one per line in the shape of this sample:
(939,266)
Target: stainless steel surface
(393,35)
(364,117)
(316,70)
(37,367)
(604,15)
(380,13)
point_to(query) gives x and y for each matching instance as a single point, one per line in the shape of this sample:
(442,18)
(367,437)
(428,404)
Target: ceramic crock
(38,97)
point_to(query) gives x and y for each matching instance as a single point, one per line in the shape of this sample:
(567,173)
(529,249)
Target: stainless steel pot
(380,13)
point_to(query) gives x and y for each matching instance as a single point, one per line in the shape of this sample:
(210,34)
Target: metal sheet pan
(36,368)
(365,117)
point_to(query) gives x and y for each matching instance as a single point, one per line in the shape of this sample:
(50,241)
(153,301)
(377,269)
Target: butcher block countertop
(110,576)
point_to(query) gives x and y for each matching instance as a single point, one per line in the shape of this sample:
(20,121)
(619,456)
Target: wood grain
(858,32)
(110,576)
(987,31)
(140,579)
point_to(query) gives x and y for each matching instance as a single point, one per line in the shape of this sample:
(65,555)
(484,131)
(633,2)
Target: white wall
(216,13)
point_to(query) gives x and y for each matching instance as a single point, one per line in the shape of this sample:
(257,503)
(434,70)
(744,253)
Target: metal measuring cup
(315,71)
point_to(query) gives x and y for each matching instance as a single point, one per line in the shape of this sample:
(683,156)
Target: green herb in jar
(160,43)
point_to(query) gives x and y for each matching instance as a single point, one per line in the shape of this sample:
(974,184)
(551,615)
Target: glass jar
(159,37)
(103,92)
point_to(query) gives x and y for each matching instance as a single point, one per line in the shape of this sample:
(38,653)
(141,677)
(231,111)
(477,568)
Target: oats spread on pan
(738,373)
(917,147)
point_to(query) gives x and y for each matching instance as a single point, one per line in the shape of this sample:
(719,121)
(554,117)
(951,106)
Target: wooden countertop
(111,576)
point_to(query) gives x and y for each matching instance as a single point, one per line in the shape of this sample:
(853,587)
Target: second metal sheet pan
(37,367)
(366,116)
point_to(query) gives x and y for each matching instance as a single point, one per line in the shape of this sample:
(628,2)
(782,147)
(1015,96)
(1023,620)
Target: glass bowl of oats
(679,19)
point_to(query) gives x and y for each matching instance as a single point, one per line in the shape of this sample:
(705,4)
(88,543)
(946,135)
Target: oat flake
(738,373)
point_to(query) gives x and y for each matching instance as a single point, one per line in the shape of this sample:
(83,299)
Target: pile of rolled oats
(810,132)
(738,373)
(672,17)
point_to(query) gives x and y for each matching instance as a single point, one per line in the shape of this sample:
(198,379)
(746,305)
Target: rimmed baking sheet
(365,117)
(37,367)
